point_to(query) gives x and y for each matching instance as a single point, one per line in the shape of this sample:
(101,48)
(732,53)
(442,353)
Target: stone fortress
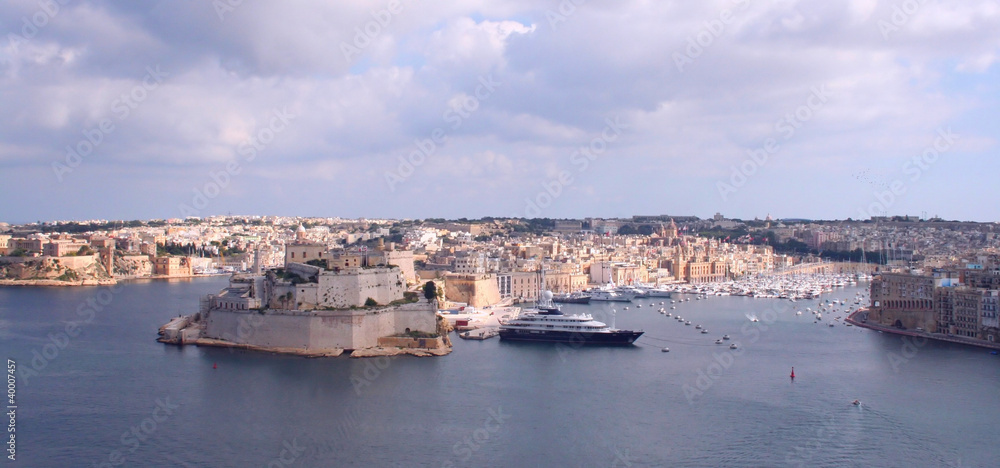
(323,304)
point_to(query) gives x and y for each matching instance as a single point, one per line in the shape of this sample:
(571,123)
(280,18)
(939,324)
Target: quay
(859,318)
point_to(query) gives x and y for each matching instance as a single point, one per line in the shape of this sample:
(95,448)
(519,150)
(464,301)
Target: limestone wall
(351,289)
(404,260)
(274,329)
(475,290)
(320,329)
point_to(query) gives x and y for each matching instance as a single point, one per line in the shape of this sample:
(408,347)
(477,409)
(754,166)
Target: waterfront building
(903,300)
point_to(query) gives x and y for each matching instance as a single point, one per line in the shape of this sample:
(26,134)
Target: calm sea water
(111,394)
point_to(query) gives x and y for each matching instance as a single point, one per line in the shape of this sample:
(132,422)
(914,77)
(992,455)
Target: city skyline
(402,110)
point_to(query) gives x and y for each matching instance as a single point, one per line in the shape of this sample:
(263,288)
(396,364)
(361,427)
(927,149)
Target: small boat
(697,327)
(669,314)
(831,324)
(725,337)
(704,332)
(856,403)
(718,341)
(732,346)
(687,322)
(665,350)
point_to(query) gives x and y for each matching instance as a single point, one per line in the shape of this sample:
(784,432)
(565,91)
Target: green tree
(430,290)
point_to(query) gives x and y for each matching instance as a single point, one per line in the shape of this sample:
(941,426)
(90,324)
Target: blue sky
(258,109)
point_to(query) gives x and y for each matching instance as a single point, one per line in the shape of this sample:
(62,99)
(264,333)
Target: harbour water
(112,396)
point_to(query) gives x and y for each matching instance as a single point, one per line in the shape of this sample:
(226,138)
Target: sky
(471,108)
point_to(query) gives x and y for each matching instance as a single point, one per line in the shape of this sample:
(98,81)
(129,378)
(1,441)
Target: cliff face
(61,269)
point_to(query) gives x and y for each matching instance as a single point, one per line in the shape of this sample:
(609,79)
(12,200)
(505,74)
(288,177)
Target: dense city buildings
(936,276)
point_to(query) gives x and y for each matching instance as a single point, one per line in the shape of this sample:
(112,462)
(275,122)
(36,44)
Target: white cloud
(356,116)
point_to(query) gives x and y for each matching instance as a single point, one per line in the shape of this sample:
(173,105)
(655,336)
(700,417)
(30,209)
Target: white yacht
(554,327)
(602,295)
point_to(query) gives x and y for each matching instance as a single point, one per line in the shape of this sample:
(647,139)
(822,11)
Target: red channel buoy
(216,366)
(793,373)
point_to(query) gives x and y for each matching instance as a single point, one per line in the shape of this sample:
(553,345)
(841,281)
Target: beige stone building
(904,301)
(476,290)
(172,266)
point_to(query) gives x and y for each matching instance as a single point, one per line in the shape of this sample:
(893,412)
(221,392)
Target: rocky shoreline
(316,353)
(52,282)
(95,281)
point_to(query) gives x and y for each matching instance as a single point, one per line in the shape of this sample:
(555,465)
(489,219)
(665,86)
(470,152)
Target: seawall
(854,319)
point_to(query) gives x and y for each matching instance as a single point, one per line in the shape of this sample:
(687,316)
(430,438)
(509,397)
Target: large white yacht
(553,326)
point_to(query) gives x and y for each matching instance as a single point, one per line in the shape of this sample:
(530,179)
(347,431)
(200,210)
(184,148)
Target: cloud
(751,64)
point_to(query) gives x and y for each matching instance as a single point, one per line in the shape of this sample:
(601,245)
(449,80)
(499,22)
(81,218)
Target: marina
(671,365)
